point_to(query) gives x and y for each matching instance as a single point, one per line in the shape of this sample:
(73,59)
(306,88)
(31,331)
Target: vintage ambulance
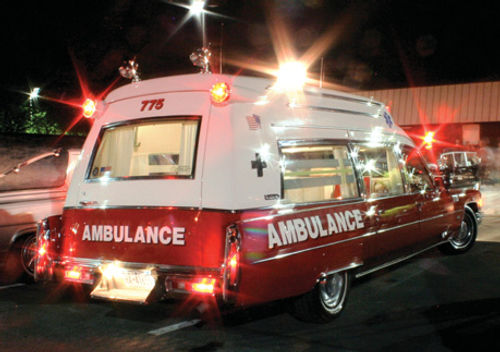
(232,189)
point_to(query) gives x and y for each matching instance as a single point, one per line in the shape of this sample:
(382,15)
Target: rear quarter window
(317,172)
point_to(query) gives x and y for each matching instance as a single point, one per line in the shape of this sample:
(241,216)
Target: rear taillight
(47,246)
(78,274)
(73,273)
(204,285)
(232,258)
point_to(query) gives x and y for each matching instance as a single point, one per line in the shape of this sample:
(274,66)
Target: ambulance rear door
(146,151)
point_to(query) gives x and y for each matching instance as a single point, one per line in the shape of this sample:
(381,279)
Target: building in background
(461,115)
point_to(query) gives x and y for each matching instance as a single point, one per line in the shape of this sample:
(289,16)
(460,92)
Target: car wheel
(326,301)
(465,238)
(20,260)
(27,252)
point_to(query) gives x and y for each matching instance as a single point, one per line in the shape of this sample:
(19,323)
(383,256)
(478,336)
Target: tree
(27,118)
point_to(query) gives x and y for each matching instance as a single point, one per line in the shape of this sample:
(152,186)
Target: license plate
(138,279)
(118,283)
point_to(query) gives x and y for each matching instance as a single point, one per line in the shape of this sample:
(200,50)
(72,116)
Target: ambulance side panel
(271,271)
(323,246)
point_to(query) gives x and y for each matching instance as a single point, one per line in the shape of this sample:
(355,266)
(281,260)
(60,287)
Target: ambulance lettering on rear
(163,235)
(311,227)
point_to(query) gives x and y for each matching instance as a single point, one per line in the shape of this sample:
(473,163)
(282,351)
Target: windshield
(147,149)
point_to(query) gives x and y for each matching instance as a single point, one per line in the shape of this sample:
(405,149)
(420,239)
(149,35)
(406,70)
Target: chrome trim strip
(284,255)
(416,222)
(136,207)
(94,263)
(341,97)
(398,260)
(325,109)
(298,211)
(349,267)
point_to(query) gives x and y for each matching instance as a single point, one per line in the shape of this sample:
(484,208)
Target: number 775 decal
(149,105)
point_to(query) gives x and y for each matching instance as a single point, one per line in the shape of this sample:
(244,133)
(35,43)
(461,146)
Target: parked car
(29,192)
(460,167)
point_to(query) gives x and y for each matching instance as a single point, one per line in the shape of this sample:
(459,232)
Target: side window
(380,170)
(473,159)
(460,158)
(415,172)
(447,161)
(317,172)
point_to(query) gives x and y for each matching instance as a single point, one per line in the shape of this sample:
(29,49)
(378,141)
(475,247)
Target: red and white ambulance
(209,185)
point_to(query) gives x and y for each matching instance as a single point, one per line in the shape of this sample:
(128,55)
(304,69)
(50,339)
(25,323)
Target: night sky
(378,44)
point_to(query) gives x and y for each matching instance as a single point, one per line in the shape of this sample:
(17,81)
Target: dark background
(62,46)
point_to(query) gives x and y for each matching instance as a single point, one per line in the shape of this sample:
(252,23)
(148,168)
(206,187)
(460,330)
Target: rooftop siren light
(129,70)
(89,107)
(291,76)
(201,58)
(219,93)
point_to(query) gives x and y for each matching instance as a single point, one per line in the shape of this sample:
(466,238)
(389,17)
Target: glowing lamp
(34,93)
(292,76)
(42,250)
(429,139)
(233,262)
(219,93)
(74,273)
(196,7)
(89,108)
(205,285)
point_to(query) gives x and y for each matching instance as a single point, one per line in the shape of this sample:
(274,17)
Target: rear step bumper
(139,282)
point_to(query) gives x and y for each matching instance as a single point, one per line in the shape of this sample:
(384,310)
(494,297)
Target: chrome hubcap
(28,255)
(332,292)
(464,235)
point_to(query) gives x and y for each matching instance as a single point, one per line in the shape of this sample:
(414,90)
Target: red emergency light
(429,139)
(89,107)
(219,93)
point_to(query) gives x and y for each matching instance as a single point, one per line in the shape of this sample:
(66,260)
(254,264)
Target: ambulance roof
(346,110)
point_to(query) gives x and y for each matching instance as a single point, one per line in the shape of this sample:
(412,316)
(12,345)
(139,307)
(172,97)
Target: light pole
(33,96)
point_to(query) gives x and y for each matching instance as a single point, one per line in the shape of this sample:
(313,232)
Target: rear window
(147,149)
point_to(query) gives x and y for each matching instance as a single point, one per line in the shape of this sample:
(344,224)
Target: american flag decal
(253,122)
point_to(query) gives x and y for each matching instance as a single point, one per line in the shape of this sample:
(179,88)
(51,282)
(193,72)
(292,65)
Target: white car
(29,192)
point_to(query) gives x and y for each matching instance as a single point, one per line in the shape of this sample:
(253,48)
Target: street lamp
(34,93)
(33,96)
(197,7)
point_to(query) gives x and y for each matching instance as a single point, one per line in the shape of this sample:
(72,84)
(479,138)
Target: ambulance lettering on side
(302,229)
